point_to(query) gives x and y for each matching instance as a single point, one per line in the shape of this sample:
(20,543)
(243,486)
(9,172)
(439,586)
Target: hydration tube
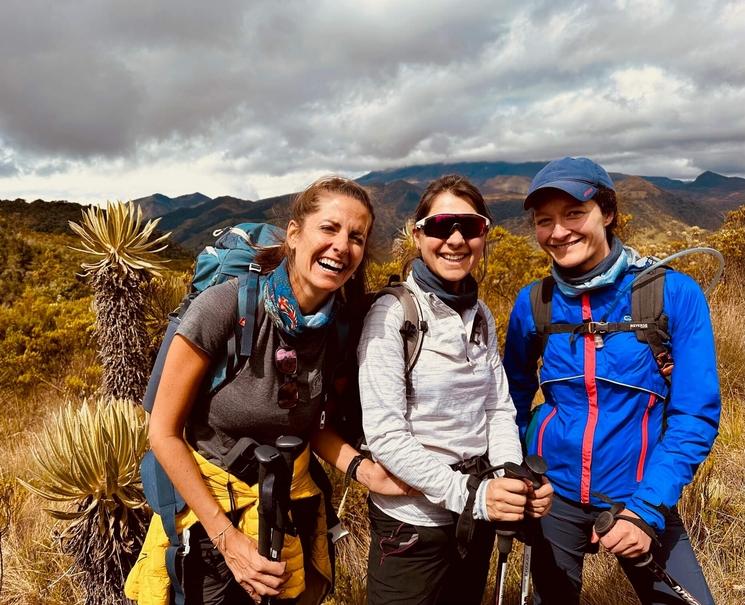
(658,263)
(702,250)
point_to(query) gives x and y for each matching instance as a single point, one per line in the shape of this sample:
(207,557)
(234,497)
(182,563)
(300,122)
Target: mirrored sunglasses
(442,225)
(285,362)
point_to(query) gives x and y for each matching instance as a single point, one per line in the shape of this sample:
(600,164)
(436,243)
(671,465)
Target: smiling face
(327,248)
(571,232)
(455,257)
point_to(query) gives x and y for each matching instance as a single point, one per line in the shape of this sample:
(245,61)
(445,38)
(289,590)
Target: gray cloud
(276,88)
(7,167)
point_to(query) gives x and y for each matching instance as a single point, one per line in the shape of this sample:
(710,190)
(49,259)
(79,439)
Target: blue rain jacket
(611,424)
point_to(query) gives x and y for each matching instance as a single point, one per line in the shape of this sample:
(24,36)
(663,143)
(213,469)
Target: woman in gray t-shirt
(278,392)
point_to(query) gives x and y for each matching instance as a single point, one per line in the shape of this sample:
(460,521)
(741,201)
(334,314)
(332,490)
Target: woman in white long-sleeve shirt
(451,416)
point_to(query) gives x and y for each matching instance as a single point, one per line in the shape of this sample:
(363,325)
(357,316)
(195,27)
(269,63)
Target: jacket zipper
(645,437)
(592,403)
(544,424)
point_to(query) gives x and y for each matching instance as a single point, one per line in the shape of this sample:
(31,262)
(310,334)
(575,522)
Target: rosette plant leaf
(162,297)
(88,458)
(125,258)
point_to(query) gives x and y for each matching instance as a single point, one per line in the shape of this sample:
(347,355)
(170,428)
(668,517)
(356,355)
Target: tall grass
(35,571)
(713,506)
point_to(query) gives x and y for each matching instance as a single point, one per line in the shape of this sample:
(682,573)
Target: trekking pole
(270,466)
(506,530)
(289,447)
(605,522)
(537,467)
(504,547)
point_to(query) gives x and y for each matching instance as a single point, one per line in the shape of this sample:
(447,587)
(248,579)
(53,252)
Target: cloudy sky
(103,99)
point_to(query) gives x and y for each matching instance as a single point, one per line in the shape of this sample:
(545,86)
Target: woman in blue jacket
(618,425)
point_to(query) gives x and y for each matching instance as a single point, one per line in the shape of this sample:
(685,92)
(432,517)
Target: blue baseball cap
(579,177)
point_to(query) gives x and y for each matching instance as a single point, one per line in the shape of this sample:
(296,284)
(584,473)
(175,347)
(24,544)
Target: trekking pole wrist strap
(466,523)
(641,524)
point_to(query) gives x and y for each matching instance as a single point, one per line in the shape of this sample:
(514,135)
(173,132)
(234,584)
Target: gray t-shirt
(247,405)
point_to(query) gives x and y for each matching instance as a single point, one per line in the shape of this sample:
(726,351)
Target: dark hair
(606,199)
(307,202)
(460,187)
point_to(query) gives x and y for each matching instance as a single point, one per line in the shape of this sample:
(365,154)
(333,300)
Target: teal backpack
(232,256)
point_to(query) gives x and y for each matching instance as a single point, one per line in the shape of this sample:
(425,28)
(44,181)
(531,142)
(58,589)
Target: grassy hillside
(48,357)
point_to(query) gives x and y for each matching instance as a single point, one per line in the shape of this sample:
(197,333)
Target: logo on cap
(589,191)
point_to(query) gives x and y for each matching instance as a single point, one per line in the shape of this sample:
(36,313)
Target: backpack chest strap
(599,327)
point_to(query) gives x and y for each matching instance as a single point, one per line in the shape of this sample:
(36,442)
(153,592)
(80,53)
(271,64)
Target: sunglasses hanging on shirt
(442,225)
(285,362)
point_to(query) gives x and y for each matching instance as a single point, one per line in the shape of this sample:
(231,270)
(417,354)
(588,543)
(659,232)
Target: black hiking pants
(558,559)
(419,565)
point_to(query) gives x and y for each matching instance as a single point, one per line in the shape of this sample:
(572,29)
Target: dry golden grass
(35,572)
(713,506)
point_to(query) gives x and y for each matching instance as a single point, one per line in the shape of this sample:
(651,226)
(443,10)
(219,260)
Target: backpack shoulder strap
(480,332)
(540,302)
(240,344)
(647,299)
(248,300)
(167,502)
(413,327)
(335,357)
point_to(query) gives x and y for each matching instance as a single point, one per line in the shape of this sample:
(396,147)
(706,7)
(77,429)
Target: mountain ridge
(657,203)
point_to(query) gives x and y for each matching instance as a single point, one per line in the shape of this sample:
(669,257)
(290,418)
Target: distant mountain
(665,183)
(712,180)
(655,210)
(159,204)
(54,217)
(659,205)
(705,180)
(46,217)
(475,171)
(193,227)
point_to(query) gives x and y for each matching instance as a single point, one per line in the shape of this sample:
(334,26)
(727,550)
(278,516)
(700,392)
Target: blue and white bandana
(282,307)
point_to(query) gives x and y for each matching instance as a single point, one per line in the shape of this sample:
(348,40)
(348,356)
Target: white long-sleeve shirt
(458,405)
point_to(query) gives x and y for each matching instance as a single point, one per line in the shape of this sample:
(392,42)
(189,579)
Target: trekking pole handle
(607,518)
(506,530)
(604,523)
(517,471)
(289,447)
(268,457)
(537,467)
